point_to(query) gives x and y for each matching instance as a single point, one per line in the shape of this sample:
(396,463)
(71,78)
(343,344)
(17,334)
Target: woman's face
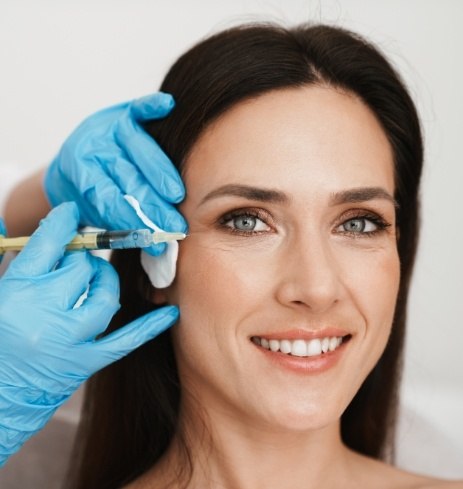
(291,250)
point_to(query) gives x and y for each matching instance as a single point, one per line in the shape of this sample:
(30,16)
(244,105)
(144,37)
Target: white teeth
(274,345)
(314,347)
(300,348)
(285,346)
(333,343)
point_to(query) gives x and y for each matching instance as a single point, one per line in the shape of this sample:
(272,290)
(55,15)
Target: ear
(159,297)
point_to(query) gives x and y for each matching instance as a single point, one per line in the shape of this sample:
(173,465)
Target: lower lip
(305,365)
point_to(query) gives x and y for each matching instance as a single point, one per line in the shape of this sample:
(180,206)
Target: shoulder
(379,474)
(416,481)
(410,480)
(443,484)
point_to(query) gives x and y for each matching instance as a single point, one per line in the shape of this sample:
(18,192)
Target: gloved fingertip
(152,106)
(156,250)
(71,209)
(2,229)
(60,222)
(160,320)
(106,277)
(121,342)
(168,100)
(66,209)
(175,222)
(176,191)
(171,312)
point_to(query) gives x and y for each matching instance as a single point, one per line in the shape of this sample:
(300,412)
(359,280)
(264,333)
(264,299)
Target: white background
(60,60)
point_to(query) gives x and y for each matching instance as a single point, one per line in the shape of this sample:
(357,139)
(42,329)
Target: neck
(231,453)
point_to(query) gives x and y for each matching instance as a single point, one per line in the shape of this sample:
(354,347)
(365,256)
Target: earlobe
(159,297)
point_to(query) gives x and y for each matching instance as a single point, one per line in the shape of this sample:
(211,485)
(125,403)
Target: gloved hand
(2,233)
(47,347)
(110,155)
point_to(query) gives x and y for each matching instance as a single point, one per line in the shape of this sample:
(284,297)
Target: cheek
(216,287)
(383,285)
(374,287)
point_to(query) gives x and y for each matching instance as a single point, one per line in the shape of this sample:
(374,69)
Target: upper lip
(304,334)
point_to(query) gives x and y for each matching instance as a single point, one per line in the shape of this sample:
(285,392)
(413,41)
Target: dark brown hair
(131,408)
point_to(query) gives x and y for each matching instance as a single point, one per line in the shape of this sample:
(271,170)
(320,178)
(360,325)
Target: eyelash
(379,222)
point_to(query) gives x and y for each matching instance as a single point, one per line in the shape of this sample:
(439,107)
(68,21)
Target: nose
(309,276)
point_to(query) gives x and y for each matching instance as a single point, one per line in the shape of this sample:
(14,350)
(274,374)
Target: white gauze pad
(160,269)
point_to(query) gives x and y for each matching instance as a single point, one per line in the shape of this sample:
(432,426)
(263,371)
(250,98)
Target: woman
(301,154)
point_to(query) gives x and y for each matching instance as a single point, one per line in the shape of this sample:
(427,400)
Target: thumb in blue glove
(110,155)
(48,346)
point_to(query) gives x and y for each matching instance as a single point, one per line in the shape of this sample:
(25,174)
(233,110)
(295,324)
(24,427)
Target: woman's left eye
(362,225)
(245,222)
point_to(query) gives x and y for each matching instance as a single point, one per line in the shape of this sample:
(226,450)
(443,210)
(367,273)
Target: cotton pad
(160,269)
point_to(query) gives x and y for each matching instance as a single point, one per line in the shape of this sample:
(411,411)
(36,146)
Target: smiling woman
(301,154)
(296,267)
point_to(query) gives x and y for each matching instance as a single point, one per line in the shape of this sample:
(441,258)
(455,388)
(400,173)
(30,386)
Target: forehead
(310,138)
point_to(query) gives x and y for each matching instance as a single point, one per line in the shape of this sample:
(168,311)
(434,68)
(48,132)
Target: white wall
(61,60)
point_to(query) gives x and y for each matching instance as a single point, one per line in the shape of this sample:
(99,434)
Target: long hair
(131,408)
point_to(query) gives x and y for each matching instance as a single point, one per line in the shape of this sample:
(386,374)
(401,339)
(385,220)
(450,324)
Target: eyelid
(358,213)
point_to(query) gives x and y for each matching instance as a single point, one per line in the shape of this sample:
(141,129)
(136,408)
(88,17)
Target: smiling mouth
(300,347)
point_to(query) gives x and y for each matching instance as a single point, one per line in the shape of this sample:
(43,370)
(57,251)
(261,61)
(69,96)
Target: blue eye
(245,222)
(361,225)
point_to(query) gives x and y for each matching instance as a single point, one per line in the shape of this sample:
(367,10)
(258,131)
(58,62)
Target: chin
(299,417)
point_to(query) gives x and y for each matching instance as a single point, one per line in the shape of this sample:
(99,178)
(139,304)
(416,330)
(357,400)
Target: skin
(271,426)
(22,217)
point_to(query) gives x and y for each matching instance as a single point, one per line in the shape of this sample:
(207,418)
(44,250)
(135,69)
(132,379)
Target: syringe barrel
(117,240)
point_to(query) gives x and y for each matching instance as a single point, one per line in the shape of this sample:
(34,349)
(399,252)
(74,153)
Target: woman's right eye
(245,222)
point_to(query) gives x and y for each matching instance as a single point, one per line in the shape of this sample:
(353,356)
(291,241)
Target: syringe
(102,240)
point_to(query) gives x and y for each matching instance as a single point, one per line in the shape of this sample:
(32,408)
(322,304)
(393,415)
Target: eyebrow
(362,194)
(354,195)
(248,192)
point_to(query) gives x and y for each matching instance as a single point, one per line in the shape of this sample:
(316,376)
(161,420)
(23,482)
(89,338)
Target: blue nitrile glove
(110,155)
(47,347)
(2,233)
